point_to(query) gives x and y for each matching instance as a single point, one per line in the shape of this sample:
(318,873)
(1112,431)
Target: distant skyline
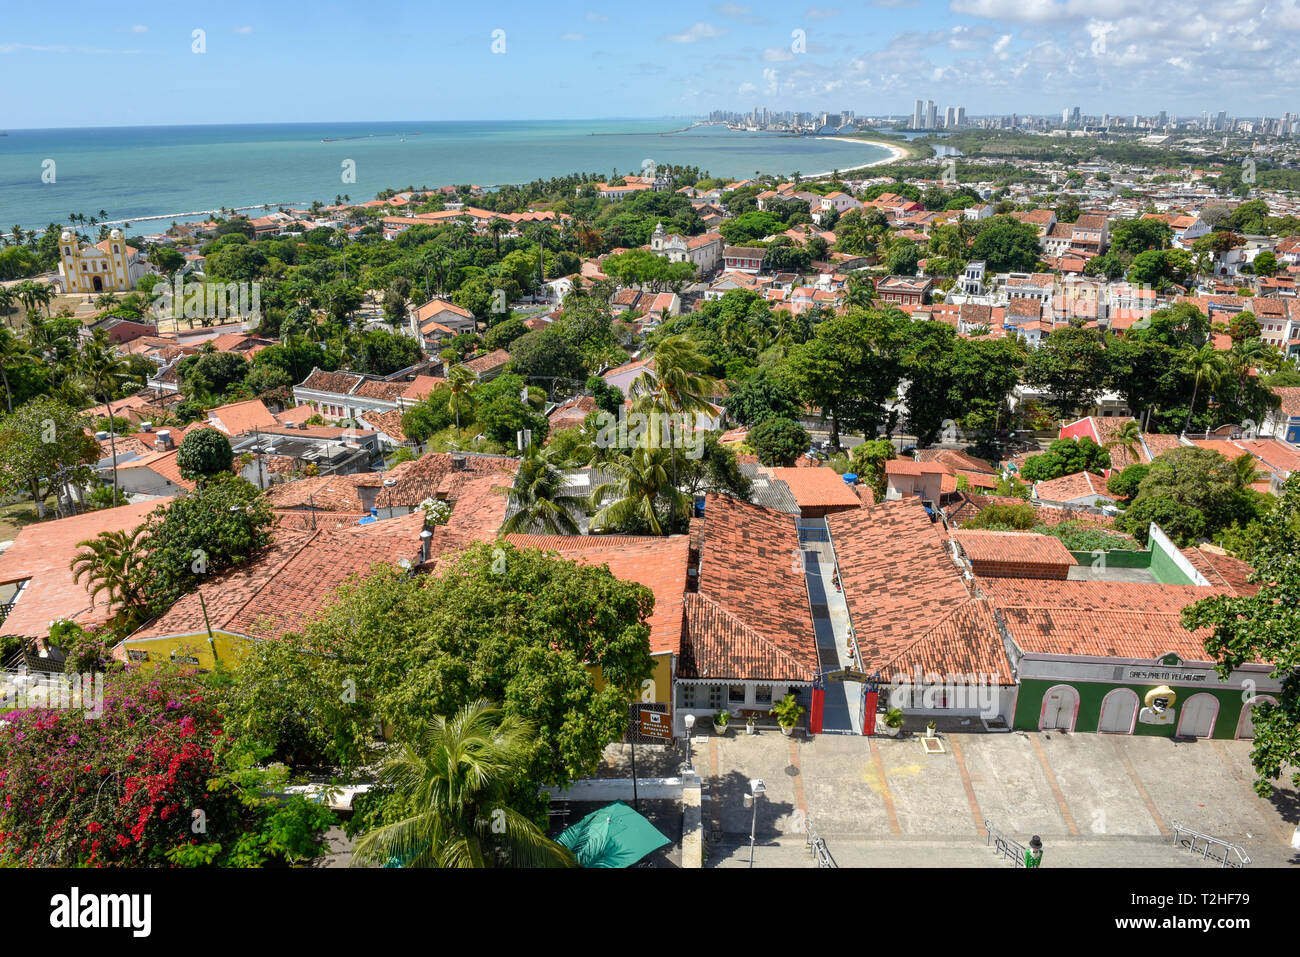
(400,60)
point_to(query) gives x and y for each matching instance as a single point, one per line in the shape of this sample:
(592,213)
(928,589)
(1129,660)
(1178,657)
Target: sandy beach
(896,153)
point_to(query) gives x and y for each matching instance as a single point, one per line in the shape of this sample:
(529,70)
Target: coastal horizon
(151,173)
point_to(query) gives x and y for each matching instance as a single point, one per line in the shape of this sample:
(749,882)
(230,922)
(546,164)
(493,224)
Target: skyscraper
(918,116)
(961,116)
(949,117)
(931,115)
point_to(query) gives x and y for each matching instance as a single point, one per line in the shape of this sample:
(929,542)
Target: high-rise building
(949,117)
(931,115)
(961,116)
(918,116)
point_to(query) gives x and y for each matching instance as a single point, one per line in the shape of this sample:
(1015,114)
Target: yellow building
(109,266)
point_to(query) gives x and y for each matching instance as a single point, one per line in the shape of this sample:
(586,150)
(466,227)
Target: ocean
(139,174)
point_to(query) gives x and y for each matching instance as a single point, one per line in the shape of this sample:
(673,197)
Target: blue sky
(392,59)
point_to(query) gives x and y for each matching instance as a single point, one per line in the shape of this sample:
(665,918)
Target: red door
(869,713)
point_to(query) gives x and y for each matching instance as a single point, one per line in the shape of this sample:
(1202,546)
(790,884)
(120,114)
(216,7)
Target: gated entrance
(873,685)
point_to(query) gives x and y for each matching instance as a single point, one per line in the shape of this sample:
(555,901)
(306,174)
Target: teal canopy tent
(614,836)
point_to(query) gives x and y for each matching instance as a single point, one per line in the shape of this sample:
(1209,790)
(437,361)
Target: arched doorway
(1118,711)
(98,283)
(1246,723)
(1199,713)
(1060,709)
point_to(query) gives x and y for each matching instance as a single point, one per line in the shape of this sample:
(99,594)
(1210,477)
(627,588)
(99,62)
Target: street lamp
(690,723)
(756,788)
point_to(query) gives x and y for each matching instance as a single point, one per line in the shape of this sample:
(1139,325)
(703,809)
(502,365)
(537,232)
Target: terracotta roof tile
(41,555)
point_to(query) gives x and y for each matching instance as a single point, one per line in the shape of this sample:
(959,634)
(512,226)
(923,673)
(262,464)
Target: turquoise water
(138,172)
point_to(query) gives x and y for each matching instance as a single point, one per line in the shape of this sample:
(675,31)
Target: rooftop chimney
(458,462)
(164,440)
(426,538)
(146,426)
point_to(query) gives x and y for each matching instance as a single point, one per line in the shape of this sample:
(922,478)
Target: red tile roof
(1098,618)
(288,585)
(906,595)
(658,563)
(240,417)
(817,487)
(41,555)
(1023,547)
(751,610)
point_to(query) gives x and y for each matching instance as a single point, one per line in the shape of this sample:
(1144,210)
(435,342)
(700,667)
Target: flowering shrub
(144,785)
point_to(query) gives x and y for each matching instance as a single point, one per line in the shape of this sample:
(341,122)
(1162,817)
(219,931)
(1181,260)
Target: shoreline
(896,153)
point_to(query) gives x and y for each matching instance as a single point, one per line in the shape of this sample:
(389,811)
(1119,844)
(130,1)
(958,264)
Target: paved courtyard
(1095,800)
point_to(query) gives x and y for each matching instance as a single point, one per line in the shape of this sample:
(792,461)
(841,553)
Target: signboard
(656,724)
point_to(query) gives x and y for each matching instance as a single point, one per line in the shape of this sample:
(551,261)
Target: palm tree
(43,295)
(7,299)
(678,383)
(455,779)
(1129,438)
(540,497)
(109,563)
(641,481)
(1207,364)
(461,382)
(1244,473)
(496,226)
(13,349)
(103,372)
(861,293)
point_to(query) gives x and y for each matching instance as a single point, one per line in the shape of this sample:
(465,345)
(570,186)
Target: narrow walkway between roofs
(842,712)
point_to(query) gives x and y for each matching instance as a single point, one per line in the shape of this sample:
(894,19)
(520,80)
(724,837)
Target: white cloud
(243,29)
(1000,48)
(747,88)
(139,28)
(571,36)
(695,33)
(594,17)
(821,13)
(736,11)
(777,54)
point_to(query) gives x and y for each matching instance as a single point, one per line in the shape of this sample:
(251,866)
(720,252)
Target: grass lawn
(14,517)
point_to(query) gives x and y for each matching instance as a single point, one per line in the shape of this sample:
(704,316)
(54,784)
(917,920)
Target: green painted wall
(1165,571)
(1117,558)
(1030,704)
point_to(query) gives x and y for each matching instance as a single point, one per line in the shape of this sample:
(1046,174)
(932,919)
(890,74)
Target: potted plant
(720,722)
(787,712)
(893,722)
(751,724)
(930,729)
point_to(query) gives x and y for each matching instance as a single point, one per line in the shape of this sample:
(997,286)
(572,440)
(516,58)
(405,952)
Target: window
(736,694)
(715,697)
(763,694)
(687,696)
(133,655)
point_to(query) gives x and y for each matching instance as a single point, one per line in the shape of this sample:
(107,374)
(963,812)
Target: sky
(262,62)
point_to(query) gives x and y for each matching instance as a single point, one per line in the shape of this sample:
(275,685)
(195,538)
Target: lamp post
(690,723)
(756,788)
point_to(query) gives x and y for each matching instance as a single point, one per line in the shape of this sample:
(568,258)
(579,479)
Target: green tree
(1066,457)
(643,498)
(451,787)
(1265,627)
(204,453)
(1007,246)
(778,441)
(221,524)
(868,463)
(1071,366)
(110,565)
(43,445)
(539,495)
(103,371)
(763,396)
